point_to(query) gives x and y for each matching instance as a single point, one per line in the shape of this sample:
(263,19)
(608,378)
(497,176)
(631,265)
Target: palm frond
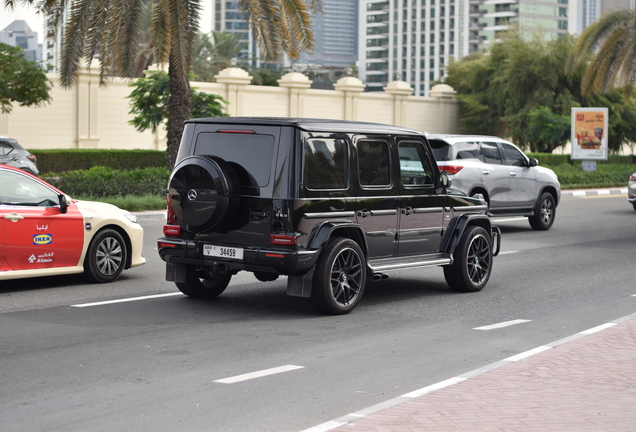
(75,40)
(159,25)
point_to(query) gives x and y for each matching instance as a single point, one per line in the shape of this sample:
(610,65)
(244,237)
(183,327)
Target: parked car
(328,203)
(12,154)
(44,232)
(631,190)
(511,183)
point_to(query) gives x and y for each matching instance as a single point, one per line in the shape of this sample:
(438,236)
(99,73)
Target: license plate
(223,252)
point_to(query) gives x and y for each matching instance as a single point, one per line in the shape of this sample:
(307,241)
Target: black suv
(328,203)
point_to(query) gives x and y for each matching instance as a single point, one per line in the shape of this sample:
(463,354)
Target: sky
(36,21)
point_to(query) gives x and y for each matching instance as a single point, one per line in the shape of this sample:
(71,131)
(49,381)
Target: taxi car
(44,232)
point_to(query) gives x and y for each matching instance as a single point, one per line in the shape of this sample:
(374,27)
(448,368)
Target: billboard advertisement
(589,133)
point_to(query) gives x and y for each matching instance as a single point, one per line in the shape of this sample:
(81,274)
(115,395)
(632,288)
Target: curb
(366,412)
(595,192)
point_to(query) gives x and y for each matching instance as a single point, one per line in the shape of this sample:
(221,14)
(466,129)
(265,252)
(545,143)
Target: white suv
(511,183)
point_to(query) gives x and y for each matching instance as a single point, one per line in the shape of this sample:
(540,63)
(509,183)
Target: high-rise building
(413,40)
(18,33)
(226,17)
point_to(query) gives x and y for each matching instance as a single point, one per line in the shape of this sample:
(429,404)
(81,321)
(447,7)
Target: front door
(421,210)
(36,234)
(523,182)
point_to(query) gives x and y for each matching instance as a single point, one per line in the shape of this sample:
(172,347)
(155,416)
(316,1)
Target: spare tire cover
(204,193)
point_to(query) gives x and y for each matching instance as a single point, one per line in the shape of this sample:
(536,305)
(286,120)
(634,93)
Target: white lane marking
(514,219)
(258,374)
(125,300)
(527,354)
(432,388)
(597,329)
(508,252)
(501,324)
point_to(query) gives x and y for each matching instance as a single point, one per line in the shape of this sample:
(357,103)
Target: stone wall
(90,116)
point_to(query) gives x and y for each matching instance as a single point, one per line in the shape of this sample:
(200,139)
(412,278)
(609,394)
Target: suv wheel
(204,194)
(544,213)
(473,261)
(339,278)
(201,285)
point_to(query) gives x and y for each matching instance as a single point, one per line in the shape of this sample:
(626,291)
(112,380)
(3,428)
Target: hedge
(552,160)
(61,160)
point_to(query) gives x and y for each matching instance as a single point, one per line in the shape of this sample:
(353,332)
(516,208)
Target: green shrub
(61,160)
(132,203)
(101,181)
(552,160)
(606,175)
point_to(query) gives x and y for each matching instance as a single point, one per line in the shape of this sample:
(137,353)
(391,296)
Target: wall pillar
(87,134)
(399,90)
(445,96)
(351,87)
(235,80)
(296,85)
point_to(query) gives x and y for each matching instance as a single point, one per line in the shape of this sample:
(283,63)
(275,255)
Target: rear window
(252,152)
(444,151)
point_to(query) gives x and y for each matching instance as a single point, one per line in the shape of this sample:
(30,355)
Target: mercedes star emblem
(192,194)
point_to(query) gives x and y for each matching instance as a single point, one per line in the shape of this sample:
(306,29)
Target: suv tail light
(632,177)
(282,240)
(32,158)
(171,229)
(451,169)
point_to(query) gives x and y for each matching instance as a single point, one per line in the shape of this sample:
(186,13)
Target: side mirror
(534,162)
(444,181)
(63,203)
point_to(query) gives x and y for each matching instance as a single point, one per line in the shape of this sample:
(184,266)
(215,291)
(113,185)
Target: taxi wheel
(106,256)
(202,284)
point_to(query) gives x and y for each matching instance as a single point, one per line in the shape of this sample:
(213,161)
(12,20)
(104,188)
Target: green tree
(520,91)
(609,43)
(21,80)
(109,29)
(151,97)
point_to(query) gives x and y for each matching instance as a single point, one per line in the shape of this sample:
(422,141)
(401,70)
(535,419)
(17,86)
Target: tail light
(171,229)
(282,240)
(32,158)
(632,177)
(451,169)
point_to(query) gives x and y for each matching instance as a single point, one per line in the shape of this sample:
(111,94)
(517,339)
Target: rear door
(495,175)
(376,202)
(36,234)
(420,208)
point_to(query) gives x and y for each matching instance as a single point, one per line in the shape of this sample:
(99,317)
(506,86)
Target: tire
(634,204)
(472,266)
(544,213)
(339,278)
(201,285)
(106,256)
(204,193)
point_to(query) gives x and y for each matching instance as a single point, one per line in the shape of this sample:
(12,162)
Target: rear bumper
(272,260)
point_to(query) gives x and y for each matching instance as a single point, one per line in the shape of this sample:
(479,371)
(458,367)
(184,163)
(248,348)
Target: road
(160,363)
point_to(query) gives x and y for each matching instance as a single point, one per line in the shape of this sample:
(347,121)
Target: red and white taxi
(44,232)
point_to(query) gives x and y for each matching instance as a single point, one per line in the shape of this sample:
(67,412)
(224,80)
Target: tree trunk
(179,109)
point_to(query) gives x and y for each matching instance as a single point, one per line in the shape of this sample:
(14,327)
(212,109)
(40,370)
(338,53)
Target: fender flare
(323,232)
(458,225)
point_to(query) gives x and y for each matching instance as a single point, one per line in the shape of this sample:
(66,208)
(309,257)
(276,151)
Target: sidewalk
(586,382)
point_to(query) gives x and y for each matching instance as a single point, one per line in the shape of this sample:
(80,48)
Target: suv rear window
(444,151)
(253,152)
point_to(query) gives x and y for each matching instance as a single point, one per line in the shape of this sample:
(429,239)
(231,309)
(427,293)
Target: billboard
(589,133)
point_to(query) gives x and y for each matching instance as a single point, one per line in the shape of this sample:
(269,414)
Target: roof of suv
(453,138)
(311,124)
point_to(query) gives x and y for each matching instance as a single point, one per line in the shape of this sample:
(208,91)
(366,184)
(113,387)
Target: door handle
(485,172)
(364,213)
(13,217)
(513,174)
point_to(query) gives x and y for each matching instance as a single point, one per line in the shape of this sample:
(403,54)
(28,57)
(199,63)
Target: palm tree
(111,29)
(611,45)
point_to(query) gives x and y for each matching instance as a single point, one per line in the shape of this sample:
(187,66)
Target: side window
(466,150)
(5,149)
(415,168)
(325,163)
(513,155)
(373,163)
(490,153)
(16,189)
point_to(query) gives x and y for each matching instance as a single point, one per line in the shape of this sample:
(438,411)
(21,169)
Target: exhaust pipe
(379,276)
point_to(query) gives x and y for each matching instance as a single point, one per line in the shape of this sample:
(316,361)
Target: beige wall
(89,116)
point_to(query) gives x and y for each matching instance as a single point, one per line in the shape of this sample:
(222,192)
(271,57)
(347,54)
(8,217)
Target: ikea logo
(42,239)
